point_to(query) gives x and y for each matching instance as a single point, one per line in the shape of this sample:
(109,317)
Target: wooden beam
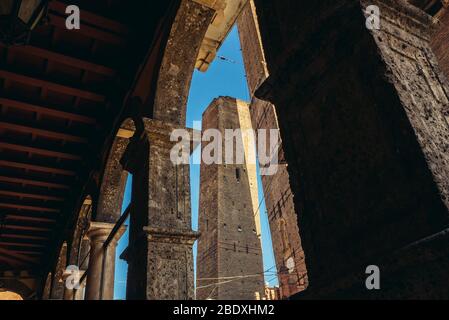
(11,262)
(47,111)
(21,244)
(92,19)
(17,256)
(26,252)
(30,195)
(35,82)
(39,151)
(89,31)
(66,60)
(25,228)
(28,208)
(28,218)
(33,182)
(32,167)
(43,133)
(21,236)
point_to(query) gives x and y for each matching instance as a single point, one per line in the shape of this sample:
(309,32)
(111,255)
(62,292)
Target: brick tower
(229,245)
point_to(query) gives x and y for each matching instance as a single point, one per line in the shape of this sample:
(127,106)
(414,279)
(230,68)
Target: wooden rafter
(47,111)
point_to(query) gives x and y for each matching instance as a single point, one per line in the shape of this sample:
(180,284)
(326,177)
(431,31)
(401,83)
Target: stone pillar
(58,285)
(100,273)
(160,259)
(365,130)
(47,287)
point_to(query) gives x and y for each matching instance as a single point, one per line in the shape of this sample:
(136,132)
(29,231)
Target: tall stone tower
(229,261)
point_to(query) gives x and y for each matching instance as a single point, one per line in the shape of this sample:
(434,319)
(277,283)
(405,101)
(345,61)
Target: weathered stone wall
(278,196)
(113,184)
(160,256)
(231,246)
(160,251)
(404,44)
(364,136)
(178,64)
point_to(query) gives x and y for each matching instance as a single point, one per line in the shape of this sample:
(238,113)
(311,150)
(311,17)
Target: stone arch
(114,177)
(106,213)
(178,63)
(78,251)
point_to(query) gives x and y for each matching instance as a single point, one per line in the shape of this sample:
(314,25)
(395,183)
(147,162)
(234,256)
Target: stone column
(160,259)
(365,129)
(47,287)
(76,294)
(100,273)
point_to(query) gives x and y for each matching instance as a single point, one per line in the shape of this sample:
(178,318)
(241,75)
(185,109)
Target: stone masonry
(362,118)
(229,245)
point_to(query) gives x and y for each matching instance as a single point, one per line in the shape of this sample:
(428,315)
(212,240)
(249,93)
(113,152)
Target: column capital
(99,231)
(156,234)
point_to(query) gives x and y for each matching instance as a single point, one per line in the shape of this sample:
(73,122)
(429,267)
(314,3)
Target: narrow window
(237,174)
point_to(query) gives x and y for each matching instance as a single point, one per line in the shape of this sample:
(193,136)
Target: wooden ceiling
(59,98)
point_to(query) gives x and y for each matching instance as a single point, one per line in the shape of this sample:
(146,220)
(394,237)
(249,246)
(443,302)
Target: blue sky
(224,78)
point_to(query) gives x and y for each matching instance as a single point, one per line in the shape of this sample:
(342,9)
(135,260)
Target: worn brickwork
(278,196)
(361,118)
(252,48)
(229,245)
